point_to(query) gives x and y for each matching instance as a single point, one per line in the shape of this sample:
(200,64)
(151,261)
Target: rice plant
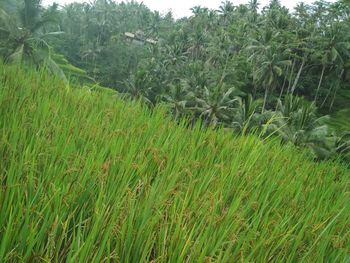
(87,177)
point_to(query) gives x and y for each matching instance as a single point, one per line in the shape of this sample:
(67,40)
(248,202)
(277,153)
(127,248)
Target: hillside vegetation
(86,177)
(340,120)
(246,67)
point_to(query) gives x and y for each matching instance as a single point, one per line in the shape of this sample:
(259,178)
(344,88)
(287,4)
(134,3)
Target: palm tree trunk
(336,90)
(176,113)
(319,83)
(284,84)
(290,76)
(265,99)
(254,91)
(333,99)
(210,118)
(325,99)
(298,75)
(224,71)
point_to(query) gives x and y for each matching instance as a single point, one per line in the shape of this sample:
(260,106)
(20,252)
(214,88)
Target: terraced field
(87,177)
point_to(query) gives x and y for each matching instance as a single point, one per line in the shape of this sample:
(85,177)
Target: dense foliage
(25,33)
(86,177)
(242,67)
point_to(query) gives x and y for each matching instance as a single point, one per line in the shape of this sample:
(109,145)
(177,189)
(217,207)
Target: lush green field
(86,177)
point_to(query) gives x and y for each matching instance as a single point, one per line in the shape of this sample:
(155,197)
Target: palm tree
(299,124)
(225,10)
(90,54)
(197,43)
(245,117)
(216,105)
(174,54)
(253,6)
(25,36)
(135,88)
(270,68)
(198,10)
(333,51)
(154,27)
(178,97)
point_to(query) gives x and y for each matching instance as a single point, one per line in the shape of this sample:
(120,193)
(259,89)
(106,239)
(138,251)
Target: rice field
(88,177)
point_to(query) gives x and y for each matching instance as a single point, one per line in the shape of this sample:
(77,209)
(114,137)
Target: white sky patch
(181,8)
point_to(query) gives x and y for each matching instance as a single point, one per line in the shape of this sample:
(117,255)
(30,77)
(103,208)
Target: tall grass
(86,177)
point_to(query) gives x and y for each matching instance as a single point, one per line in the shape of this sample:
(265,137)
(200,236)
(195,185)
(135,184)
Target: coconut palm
(25,36)
(253,6)
(246,116)
(332,52)
(225,10)
(134,87)
(216,105)
(179,98)
(299,124)
(270,69)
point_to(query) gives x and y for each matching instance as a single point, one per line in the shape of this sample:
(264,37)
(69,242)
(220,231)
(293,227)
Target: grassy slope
(86,177)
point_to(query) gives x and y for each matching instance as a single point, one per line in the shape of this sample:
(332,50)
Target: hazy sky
(181,7)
